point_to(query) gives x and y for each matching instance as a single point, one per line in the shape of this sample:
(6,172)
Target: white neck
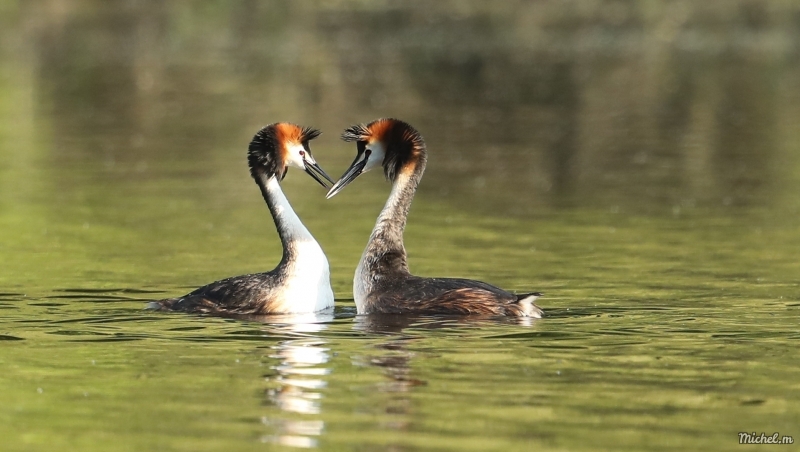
(307,281)
(285,218)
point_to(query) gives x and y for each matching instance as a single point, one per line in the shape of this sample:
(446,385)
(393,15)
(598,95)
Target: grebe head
(278,146)
(388,142)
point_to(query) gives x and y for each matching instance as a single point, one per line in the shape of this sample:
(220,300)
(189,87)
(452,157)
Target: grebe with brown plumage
(301,281)
(382,282)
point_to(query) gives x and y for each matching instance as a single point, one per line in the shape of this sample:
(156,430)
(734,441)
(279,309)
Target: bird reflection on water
(395,357)
(302,369)
(298,379)
(393,323)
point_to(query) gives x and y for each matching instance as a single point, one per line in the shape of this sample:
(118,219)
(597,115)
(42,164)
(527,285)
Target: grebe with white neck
(382,282)
(301,281)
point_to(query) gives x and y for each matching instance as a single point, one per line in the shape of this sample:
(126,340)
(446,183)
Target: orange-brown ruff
(383,283)
(288,134)
(301,281)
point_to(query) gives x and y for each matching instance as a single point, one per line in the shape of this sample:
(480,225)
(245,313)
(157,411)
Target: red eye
(302,153)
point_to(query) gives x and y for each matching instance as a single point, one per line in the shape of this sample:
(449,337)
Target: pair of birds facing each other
(382,282)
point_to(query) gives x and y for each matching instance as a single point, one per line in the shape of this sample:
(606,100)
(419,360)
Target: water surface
(639,164)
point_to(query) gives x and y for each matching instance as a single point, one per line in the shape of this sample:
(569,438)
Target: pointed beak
(317,173)
(355,170)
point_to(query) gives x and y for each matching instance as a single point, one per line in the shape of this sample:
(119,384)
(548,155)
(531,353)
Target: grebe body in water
(301,281)
(382,282)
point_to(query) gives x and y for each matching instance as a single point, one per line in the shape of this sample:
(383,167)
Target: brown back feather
(462,301)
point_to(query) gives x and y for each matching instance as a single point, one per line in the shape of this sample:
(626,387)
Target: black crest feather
(263,155)
(403,142)
(358,132)
(308,134)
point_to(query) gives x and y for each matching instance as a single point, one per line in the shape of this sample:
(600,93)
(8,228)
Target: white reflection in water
(300,375)
(525,321)
(294,433)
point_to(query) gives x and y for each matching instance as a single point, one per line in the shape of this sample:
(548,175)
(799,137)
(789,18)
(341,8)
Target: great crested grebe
(301,281)
(382,283)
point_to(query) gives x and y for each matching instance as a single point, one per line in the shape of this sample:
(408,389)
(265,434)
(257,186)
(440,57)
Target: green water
(639,164)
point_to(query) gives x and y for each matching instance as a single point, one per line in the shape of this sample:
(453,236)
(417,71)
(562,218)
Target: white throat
(306,285)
